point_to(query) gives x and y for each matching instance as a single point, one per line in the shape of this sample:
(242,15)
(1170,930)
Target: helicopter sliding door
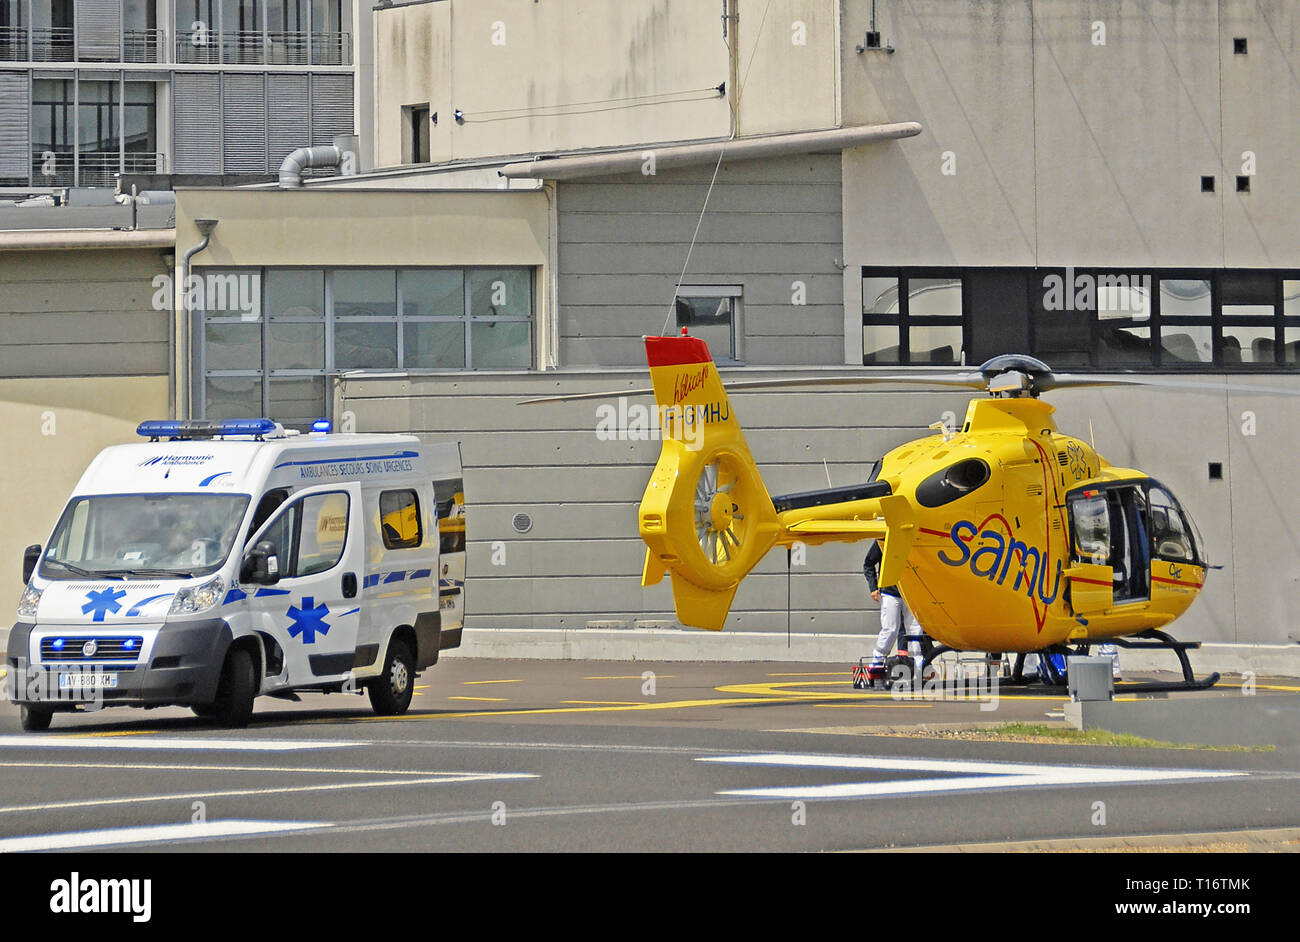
(1111,562)
(1091,576)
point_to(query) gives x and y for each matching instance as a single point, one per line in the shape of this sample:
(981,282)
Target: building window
(415,134)
(399,518)
(1145,319)
(912,316)
(712,313)
(85,132)
(272,336)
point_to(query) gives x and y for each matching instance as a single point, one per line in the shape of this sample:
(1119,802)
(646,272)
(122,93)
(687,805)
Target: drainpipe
(205,227)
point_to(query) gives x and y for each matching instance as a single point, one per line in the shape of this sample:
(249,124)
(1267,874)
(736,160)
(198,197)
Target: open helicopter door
(1092,578)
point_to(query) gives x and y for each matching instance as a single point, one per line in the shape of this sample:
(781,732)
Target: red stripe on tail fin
(675,351)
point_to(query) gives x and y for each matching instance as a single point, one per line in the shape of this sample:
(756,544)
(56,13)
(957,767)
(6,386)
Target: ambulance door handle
(349,585)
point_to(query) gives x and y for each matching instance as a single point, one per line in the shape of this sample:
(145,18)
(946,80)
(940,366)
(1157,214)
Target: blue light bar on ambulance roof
(178,429)
(321,425)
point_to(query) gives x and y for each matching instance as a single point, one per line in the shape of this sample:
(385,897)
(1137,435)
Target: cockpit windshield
(144,535)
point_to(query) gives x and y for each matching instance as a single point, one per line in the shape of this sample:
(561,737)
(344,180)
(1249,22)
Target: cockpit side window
(1171,537)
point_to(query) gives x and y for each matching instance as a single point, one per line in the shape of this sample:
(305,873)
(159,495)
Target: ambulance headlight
(27,604)
(198,599)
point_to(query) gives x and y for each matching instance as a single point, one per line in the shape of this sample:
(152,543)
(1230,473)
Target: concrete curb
(1265,839)
(680,644)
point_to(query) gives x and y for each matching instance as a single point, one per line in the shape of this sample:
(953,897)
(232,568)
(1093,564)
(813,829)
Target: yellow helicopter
(1004,535)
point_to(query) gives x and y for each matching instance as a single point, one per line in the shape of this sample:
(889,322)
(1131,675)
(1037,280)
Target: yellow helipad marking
(483,699)
(811,674)
(116,732)
(473,683)
(874,706)
(606,702)
(630,677)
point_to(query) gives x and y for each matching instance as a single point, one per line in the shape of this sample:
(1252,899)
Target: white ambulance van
(222,561)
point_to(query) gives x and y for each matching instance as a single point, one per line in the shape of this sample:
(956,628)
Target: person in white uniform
(894,613)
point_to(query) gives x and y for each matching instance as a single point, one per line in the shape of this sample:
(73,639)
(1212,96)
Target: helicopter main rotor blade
(1067,381)
(960,381)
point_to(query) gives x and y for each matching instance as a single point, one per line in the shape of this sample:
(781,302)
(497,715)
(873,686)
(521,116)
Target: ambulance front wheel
(390,692)
(235,691)
(34,719)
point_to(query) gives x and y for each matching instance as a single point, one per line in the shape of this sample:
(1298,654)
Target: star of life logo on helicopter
(636,422)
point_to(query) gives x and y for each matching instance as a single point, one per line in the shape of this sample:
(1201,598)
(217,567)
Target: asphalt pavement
(505,755)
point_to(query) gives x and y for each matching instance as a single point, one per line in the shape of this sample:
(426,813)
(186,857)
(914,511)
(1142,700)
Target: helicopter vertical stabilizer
(706,516)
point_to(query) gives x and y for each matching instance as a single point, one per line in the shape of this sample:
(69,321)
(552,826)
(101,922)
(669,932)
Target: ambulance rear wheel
(390,692)
(34,719)
(233,707)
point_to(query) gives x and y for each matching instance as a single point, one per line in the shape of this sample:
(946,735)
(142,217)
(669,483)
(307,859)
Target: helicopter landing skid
(1150,639)
(1153,640)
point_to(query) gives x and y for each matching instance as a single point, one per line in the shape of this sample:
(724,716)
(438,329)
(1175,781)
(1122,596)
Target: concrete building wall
(532,77)
(581,561)
(771,227)
(365,227)
(412,45)
(50,429)
(1060,134)
(787,65)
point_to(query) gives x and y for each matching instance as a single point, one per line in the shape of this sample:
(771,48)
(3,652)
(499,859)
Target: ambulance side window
(322,533)
(309,534)
(399,519)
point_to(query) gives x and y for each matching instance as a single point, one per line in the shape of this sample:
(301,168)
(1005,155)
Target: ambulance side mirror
(31,556)
(261,565)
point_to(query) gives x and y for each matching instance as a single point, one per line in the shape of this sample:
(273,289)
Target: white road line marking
(171,742)
(165,767)
(989,775)
(152,834)
(286,790)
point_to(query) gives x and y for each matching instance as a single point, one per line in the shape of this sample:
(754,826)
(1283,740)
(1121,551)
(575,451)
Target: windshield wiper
(179,574)
(79,571)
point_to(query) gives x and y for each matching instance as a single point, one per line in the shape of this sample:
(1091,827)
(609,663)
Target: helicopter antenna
(828,473)
(1091,437)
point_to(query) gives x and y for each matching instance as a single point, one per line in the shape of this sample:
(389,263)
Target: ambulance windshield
(144,535)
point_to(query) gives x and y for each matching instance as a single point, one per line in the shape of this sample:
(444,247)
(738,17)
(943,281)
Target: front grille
(121,648)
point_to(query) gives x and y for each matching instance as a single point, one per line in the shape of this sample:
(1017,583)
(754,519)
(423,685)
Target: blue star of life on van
(102,602)
(308,620)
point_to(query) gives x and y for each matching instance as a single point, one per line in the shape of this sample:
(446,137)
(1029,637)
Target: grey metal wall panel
(15,106)
(331,108)
(288,116)
(243,111)
(85,313)
(99,29)
(196,122)
(773,227)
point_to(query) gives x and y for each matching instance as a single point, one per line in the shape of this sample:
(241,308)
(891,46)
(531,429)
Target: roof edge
(61,239)
(630,160)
